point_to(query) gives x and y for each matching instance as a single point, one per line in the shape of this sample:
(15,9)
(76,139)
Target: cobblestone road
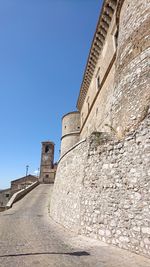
(28,237)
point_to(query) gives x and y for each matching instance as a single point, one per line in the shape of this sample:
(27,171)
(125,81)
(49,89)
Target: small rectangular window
(98,82)
(116,38)
(96,111)
(82,118)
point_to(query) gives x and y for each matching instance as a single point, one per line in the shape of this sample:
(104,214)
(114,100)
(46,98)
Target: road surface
(28,237)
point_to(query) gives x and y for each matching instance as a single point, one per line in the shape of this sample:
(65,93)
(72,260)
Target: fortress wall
(95,112)
(70,130)
(102,190)
(68,141)
(65,201)
(131,88)
(100,114)
(123,97)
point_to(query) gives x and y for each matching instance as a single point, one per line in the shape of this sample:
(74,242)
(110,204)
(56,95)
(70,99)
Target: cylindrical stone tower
(47,159)
(70,130)
(131,91)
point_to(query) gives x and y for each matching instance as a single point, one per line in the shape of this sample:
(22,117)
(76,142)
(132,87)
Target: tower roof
(48,142)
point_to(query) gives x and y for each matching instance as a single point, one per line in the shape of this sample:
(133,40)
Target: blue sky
(44,45)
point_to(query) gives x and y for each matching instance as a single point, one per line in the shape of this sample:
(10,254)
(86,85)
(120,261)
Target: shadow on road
(76,253)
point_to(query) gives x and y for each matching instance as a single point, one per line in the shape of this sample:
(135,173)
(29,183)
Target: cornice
(108,9)
(70,113)
(98,92)
(119,6)
(70,134)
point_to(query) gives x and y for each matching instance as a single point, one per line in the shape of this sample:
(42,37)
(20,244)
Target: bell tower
(47,161)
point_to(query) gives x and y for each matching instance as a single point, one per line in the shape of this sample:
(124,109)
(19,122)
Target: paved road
(28,237)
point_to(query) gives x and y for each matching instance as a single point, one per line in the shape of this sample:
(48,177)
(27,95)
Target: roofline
(24,177)
(98,38)
(72,112)
(4,190)
(48,142)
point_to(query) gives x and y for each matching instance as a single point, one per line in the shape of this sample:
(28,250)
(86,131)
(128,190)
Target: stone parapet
(20,194)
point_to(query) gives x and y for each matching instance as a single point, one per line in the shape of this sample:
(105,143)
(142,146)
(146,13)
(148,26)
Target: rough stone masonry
(102,189)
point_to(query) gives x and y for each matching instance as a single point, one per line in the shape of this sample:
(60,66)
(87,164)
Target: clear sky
(44,45)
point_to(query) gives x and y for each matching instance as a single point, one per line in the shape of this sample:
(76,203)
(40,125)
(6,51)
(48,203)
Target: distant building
(16,185)
(47,175)
(4,197)
(47,168)
(22,183)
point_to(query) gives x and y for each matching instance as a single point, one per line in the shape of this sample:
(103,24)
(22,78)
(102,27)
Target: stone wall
(102,189)
(65,203)
(131,95)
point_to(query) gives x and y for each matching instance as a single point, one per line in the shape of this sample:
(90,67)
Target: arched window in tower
(47,149)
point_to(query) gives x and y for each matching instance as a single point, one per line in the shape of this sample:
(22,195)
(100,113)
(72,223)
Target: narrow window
(88,104)
(82,117)
(116,38)
(96,111)
(98,82)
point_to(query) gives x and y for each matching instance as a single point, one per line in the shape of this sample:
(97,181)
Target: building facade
(102,184)
(114,96)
